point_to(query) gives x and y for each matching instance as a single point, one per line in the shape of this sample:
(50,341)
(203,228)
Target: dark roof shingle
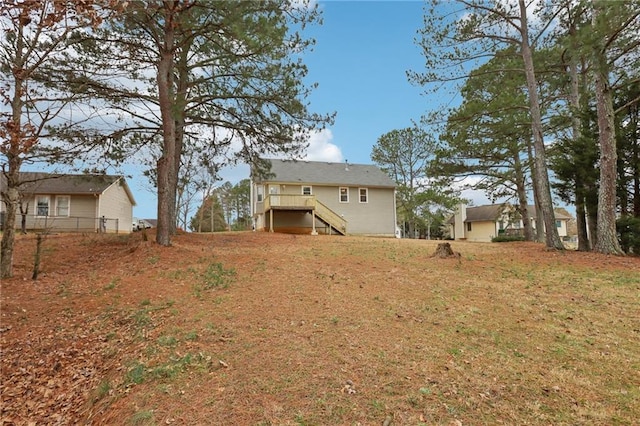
(45,183)
(325,173)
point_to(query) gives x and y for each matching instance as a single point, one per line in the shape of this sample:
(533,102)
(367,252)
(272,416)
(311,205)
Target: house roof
(489,212)
(326,173)
(559,213)
(492,212)
(69,184)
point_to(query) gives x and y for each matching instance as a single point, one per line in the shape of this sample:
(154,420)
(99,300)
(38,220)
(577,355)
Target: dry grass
(272,329)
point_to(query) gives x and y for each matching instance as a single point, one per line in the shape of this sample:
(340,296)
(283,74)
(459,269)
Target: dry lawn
(275,329)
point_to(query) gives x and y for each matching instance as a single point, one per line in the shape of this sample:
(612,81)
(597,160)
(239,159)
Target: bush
(507,238)
(628,228)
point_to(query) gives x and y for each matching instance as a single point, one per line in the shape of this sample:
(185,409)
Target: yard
(274,329)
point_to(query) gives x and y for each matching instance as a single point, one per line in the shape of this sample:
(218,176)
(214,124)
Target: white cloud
(321,147)
(475,197)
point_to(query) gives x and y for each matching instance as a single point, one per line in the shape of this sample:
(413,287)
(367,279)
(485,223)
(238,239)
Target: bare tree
(35,34)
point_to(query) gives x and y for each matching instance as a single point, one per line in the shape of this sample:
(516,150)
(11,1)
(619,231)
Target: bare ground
(275,329)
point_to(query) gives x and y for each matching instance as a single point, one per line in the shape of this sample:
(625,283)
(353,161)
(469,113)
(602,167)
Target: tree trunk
(576,125)
(539,230)
(523,204)
(18,142)
(591,200)
(8,231)
(607,237)
(581,222)
(166,163)
(36,258)
(23,212)
(552,238)
(635,159)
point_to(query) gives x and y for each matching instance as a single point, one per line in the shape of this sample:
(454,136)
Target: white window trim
(68,197)
(340,194)
(259,193)
(306,186)
(366,191)
(48,205)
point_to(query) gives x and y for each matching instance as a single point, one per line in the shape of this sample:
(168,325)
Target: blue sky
(362,53)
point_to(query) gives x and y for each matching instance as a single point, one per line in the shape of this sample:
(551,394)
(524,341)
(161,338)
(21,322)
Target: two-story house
(323,197)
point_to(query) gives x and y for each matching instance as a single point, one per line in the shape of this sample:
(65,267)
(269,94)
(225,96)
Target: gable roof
(326,173)
(489,212)
(492,212)
(69,184)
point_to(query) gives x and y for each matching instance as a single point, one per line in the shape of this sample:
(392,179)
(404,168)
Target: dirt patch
(261,328)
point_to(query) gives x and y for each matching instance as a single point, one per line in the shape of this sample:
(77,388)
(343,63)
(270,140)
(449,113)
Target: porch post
(313,223)
(271,221)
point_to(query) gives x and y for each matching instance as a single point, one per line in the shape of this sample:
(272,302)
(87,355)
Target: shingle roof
(67,184)
(559,212)
(491,213)
(484,213)
(324,173)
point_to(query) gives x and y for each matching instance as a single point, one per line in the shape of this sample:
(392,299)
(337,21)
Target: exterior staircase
(310,203)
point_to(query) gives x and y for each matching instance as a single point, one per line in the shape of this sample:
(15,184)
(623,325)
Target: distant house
(74,203)
(482,223)
(321,197)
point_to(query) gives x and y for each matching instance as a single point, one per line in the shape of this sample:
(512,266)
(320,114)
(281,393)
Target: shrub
(507,238)
(628,228)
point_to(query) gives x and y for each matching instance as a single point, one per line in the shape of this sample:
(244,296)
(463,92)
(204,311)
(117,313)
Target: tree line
(224,208)
(548,100)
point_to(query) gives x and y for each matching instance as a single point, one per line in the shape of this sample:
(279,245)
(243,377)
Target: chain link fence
(68,224)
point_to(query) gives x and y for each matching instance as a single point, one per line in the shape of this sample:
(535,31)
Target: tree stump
(444,250)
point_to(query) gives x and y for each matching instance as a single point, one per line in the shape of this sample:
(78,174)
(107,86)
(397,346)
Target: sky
(362,53)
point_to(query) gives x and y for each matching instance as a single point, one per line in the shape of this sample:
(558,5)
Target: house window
(42,205)
(306,190)
(62,205)
(468,226)
(558,224)
(364,195)
(260,193)
(344,194)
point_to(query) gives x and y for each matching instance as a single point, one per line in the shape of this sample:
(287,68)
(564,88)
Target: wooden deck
(310,203)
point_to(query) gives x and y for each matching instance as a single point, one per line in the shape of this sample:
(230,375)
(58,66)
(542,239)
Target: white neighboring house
(74,203)
(482,223)
(318,197)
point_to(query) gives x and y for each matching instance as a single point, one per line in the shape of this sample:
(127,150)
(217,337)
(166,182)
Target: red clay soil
(259,328)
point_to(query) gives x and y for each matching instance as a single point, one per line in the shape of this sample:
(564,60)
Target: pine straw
(318,330)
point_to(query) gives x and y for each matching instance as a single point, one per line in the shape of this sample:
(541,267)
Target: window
(364,195)
(558,224)
(260,193)
(62,205)
(344,194)
(468,226)
(42,205)
(306,190)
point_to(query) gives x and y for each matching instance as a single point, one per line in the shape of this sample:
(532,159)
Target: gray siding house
(328,198)
(74,203)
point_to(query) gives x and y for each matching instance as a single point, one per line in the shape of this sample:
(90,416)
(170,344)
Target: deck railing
(290,200)
(305,202)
